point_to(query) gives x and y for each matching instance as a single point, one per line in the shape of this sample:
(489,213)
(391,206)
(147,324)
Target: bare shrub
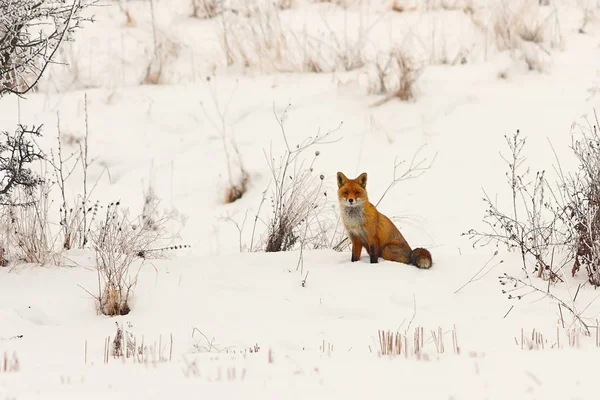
(18,151)
(25,49)
(297,197)
(551,225)
(395,76)
(118,242)
(23,199)
(534,222)
(582,198)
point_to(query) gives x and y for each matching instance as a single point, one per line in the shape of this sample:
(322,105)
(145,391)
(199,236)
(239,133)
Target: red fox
(372,230)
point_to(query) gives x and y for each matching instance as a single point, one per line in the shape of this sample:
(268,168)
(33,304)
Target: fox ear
(341,179)
(362,180)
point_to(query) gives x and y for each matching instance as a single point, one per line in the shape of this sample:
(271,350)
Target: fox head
(352,192)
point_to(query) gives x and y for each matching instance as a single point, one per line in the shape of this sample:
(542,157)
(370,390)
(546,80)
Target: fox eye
(345,194)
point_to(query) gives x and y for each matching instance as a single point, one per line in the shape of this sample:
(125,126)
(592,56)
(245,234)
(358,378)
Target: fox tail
(421,258)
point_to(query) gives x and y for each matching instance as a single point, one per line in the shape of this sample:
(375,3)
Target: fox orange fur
(368,228)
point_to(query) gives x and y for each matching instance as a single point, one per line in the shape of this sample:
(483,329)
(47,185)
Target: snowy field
(172,95)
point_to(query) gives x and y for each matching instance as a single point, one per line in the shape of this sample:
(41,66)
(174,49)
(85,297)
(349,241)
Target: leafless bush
(534,222)
(119,241)
(552,226)
(581,193)
(23,199)
(395,76)
(18,152)
(297,196)
(25,48)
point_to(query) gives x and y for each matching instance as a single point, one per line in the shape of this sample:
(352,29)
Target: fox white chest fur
(353,218)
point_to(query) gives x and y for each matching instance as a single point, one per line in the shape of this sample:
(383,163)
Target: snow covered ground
(222,323)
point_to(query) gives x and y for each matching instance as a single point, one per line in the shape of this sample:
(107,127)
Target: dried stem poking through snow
(297,198)
(397,344)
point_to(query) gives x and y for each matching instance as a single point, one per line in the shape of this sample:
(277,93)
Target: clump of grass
(395,76)
(397,344)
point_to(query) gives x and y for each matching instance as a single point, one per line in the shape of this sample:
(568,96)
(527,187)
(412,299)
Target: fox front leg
(373,251)
(356,248)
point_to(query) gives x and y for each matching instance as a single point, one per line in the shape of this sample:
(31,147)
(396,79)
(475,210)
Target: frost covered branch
(30,34)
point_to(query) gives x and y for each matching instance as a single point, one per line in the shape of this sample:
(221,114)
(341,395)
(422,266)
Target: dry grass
(125,345)
(432,5)
(397,344)
(206,9)
(237,190)
(10,364)
(395,76)
(166,51)
(539,341)
(27,235)
(261,39)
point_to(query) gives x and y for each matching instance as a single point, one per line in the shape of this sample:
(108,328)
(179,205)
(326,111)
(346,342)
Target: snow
(167,136)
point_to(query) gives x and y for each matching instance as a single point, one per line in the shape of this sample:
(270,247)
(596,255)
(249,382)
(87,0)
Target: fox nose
(350,201)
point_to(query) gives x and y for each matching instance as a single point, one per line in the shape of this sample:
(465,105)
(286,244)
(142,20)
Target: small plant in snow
(297,197)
